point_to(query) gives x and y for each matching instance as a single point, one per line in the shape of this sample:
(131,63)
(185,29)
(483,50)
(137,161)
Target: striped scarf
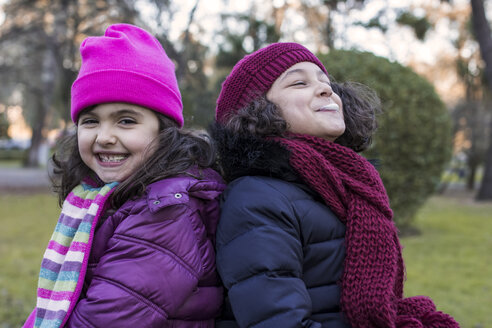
(64,264)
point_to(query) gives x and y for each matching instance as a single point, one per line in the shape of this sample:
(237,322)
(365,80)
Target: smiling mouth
(111,158)
(329,108)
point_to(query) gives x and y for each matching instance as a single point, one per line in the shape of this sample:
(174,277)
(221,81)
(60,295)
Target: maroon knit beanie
(253,75)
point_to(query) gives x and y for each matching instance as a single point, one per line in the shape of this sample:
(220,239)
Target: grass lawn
(27,224)
(451,261)
(10,163)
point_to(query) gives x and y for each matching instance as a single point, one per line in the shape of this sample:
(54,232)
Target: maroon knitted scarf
(372,282)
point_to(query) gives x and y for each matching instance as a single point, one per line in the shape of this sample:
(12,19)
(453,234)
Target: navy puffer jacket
(280,249)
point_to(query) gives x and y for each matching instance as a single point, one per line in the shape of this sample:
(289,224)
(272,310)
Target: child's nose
(105,137)
(324,89)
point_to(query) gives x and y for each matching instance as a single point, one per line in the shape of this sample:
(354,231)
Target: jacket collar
(205,184)
(246,154)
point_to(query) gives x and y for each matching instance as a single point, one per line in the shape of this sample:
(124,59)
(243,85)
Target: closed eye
(296,83)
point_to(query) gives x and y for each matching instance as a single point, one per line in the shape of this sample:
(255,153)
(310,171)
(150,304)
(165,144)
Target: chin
(111,179)
(332,137)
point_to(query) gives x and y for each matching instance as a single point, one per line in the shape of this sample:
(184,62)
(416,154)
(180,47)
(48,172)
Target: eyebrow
(319,73)
(126,111)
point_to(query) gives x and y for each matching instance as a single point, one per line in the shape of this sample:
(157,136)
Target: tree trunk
(482,33)
(44,100)
(470,179)
(33,154)
(485,191)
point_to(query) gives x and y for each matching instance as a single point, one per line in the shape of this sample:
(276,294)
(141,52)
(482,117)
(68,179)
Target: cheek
(80,141)
(153,137)
(292,106)
(287,115)
(295,111)
(148,145)
(84,144)
(149,149)
(338,101)
(281,98)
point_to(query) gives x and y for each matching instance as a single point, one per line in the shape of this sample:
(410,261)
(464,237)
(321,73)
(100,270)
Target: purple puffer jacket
(152,262)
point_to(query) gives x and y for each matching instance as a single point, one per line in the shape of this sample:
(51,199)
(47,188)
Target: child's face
(307,102)
(113,139)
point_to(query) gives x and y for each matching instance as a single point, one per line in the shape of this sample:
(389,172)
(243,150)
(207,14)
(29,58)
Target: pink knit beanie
(127,65)
(253,75)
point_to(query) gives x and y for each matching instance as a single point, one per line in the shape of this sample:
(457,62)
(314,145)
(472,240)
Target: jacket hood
(246,154)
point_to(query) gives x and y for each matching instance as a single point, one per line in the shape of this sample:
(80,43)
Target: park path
(13,179)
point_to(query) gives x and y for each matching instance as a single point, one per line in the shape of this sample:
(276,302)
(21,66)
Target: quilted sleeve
(150,267)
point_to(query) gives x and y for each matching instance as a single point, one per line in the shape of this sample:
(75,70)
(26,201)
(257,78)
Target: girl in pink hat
(134,244)
(306,236)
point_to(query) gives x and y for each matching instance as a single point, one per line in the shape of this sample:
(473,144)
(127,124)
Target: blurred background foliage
(435,116)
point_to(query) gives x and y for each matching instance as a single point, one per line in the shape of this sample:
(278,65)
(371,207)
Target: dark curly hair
(177,151)
(262,118)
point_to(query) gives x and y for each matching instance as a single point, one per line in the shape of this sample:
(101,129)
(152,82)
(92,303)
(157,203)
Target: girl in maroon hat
(306,237)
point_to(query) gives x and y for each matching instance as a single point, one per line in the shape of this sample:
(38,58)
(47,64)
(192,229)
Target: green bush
(413,141)
(12,154)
